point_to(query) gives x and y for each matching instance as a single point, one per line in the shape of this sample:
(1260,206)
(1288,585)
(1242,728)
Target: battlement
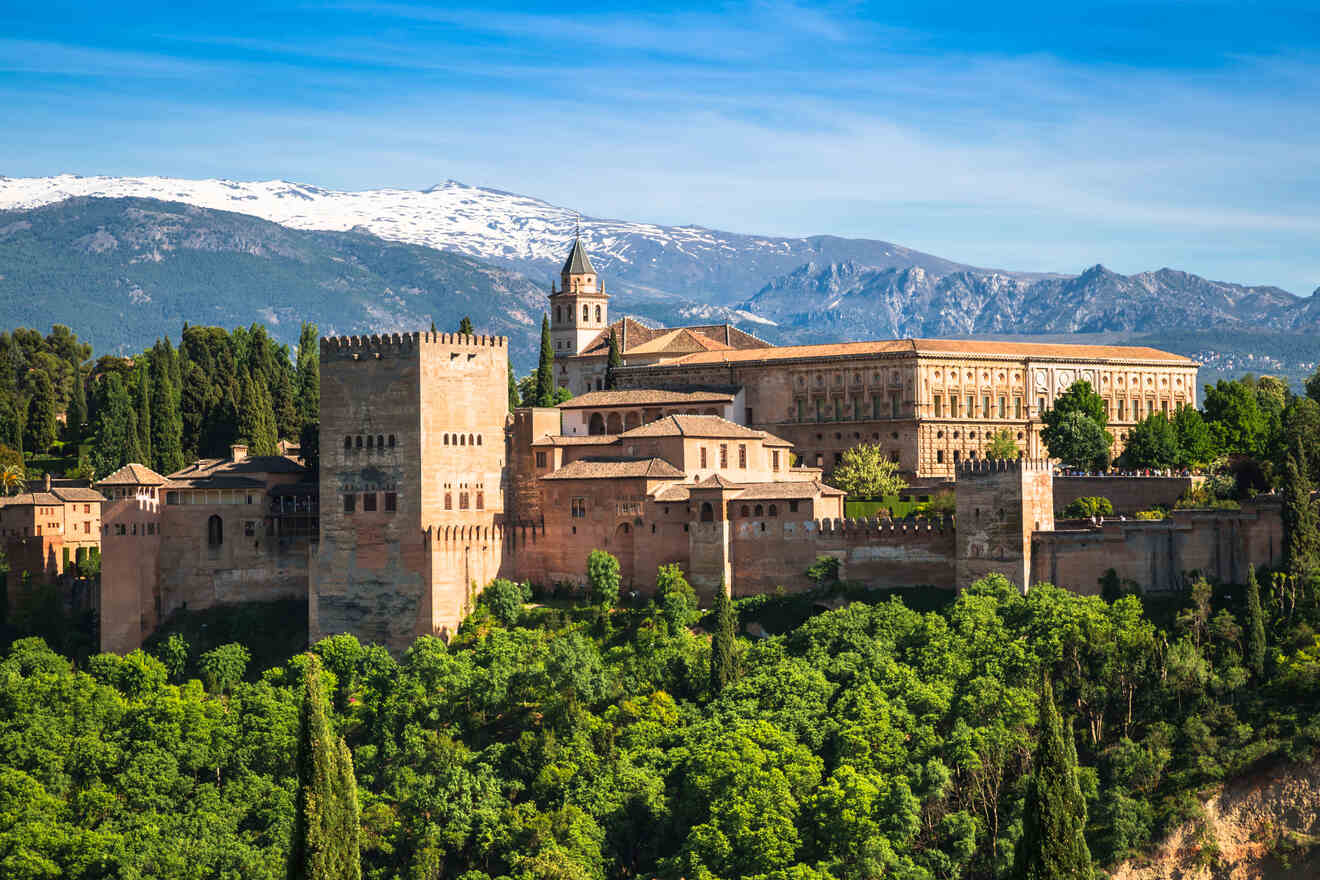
(405,343)
(881,528)
(986,467)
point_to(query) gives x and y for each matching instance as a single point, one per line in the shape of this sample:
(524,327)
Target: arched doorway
(596,425)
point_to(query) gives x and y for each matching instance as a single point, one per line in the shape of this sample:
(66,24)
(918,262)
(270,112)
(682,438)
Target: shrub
(603,577)
(223,667)
(1087,507)
(1153,513)
(505,600)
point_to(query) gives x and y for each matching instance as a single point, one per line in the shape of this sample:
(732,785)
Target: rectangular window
(985,406)
(703,458)
(1121,408)
(875,407)
(540,459)
(939,406)
(1003,407)
(1017,407)
(742,456)
(481,501)
(87,508)
(1164,405)
(893,456)
(801,410)
(391,502)
(895,402)
(970,412)
(1150,407)
(792,507)
(579,508)
(1040,405)
(838,458)
(368,501)
(350,503)
(249,528)
(820,459)
(953,406)
(820,410)
(462,501)
(838,409)
(939,456)
(774,460)
(748,416)
(87,527)
(449,501)
(724,455)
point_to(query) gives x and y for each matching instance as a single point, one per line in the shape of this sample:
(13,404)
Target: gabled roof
(26,499)
(578,263)
(786,490)
(648,397)
(936,347)
(607,469)
(715,481)
(133,475)
(633,335)
(76,493)
(693,426)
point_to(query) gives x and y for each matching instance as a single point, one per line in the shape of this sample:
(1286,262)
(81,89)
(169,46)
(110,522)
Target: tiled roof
(715,481)
(215,481)
(608,469)
(575,440)
(578,263)
(133,475)
(964,347)
(787,490)
(73,493)
(692,426)
(256,464)
(633,335)
(24,499)
(772,440)
(680,341)
(647,397)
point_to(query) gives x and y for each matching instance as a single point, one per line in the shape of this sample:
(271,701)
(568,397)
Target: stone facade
(413,480)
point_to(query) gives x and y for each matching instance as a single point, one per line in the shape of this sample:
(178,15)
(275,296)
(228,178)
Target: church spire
(578,263)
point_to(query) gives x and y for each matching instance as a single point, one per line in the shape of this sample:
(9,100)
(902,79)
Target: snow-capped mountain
(519,232)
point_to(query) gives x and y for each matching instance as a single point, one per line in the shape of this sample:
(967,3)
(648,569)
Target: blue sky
(1046,136)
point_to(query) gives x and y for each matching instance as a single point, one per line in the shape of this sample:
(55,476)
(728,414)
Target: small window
(586,313)
(391,441)
(742,456)
(348,443)
(368,501)
(774,510)
(792,507)
(597,314)
(481,501)
(774,460)
(449,501)
(446,439)
(462,441)
(215,531)
(703,458)
(939,456)
(540,459)
(350,502)
(358,443)
(478,439)
(371,442)
(746,511)
(579,508)
(391,502)
(724,455)
(760,511)
(380,441)
(249,528)
(463,501)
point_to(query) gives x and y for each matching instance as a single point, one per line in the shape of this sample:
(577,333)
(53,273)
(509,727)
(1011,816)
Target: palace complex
(711,452)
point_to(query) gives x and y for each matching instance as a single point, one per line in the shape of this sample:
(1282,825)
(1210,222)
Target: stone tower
(413,471)
(579,310)
(1000,504)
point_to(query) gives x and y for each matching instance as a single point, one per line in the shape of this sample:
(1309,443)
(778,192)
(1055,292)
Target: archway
(596,425)
(707,512)
(631,420)
(613,424)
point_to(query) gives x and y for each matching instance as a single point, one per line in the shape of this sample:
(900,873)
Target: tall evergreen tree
(513,387)
(309,374)
(1301,532)
(256,418)
(545,370)
(76,414)
(117,441)
(142,394)
(613,361)
(326,825)
(11,423)
(1255,629)
(166,426)
(1053,844)
(39,429)
(465,326)
(722,642)
(288,420)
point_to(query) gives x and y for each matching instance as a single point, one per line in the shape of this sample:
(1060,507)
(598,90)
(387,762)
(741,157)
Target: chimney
(238,452)
(47,482)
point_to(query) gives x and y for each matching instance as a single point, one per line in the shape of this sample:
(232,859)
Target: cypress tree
(613,362)
(117,441)
(722,642)
(76,415)
(326,822)
(1301,532)
(143,395)
(309,374)
(1053,844)
(166,425)
(513,387)
(39,430)
(11,423)
(465,326)
(256,418)
(545,370)
(1255,626)
(288,421)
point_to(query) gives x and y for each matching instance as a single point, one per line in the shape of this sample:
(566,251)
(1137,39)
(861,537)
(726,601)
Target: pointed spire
(578,263)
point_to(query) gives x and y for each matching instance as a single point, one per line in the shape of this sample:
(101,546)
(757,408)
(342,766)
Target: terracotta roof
(74,493)
(772,440)
(575,440)
(609,469)
(647,397)
(256,464)
(787,490)
(680,341)
(633,334)
(133,475)
(715,481)
(693,426)
(24,499)
(963,347)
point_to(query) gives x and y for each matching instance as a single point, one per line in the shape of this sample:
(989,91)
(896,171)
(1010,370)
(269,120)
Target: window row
(746,511)
(965,407)
(723,449)
(146,528)
(369,500)
(379,441)
(566,312)
(210,496)
(462,440)
(465,500)
(855,409)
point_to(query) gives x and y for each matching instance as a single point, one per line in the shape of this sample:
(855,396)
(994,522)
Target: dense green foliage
(865,471)
(1001,446)
(1088,506)
(603,577)
(1074,429)
(613,360)
(545,367)
(875,740)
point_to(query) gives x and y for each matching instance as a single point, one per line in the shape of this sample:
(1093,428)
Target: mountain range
(130,258)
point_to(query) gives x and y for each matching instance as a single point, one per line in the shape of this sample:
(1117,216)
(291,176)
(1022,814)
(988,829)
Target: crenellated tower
(1000,505)
(579,309)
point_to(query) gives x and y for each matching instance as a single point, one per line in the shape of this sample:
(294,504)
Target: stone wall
(1000,504)
(1160,555)
(130,571)
(1128,494)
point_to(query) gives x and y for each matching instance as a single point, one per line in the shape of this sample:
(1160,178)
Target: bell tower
(579,309)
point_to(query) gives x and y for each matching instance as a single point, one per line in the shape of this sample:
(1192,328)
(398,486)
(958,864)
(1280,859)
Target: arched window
(478,439)
(215,531)
(391,441)
(348,443)
(707,512)
(358,442)
(462,441)
(760,511)
(558,318)
(746,511)
(774,510)
(597,314)
(446,439)
(586,311)
(597,424)
(613,424)
(370,443)
(470,440)
(449,501)
(380,441)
